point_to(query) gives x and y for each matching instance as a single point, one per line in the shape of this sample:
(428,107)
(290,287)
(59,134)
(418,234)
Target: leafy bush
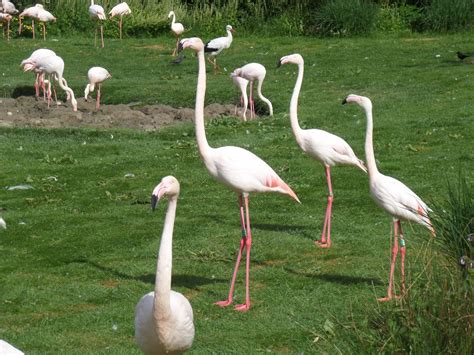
(449,15)
(346,17)
(398,18)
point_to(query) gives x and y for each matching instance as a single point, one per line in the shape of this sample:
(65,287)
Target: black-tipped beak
(154,202)
(279,63)
(344,102)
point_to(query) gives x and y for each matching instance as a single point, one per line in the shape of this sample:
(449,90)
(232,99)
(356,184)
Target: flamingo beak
(344,101)
(154,202)
(279,64)
(157,194)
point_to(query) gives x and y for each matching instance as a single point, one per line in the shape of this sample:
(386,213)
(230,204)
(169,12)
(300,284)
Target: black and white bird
(216,45)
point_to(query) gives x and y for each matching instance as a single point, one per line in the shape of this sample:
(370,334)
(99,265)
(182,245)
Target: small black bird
(462,55)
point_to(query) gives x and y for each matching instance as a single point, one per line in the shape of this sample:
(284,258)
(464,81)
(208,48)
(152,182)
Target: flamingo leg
(102,34)
(392,264)
(120,27)
(228,301)
(37,85)
(325,241)
(44,32)
(175,51)
(97,104)
(33,27)
(8,30)
(402,254)
(49,92)
(248,244)
(95,37)
(55,94)
(252,106)
(43,86)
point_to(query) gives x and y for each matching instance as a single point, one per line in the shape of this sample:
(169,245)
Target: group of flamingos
(164,318)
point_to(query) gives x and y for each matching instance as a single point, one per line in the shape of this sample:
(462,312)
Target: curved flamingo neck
(92,2)
(295,126)
(263,98)
(369,145)
(173,19)
(202,143)
(162,307)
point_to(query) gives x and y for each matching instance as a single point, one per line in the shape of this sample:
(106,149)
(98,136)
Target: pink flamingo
(163,317)
(252,72)
(237,168)
(178,30)
(31,12)
(325,147)
(97,13)
(6,18)
(241,83)
(44,16)
(27,65)
(96,75)
(121,10)
(391,195)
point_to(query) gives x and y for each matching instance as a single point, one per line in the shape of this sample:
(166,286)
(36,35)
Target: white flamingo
(217,45)
(31,12)
(44,16)
(164,318)
(252,72)
(235,167)
(391,195)
(96,76)
(97,13)
(6,18)
(27,65)
(54,67)
(9,7)
(325,147)
(242,84)
(177,28)
(121,10)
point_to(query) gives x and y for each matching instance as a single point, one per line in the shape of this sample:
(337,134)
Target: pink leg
(392,265)
(44,32)
(102,35)
(49,92)
(37,93)
(33,28)
(325,241)
(8,30)
(97,104)
(95,36)
(252,107)
(248,243)
(120,27)
(402,253)
(228,301)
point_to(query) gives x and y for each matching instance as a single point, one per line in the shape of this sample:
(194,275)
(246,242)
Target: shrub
(398,18)
(449,15)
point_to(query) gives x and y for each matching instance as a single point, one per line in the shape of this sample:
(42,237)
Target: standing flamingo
(96,75)
(323,146)
(44,16)
(237,168)
(178,30)
(164,318)
(97,13)
(241,83)
(9,7)
(54,67)
(27,65)
(252,72)
(215,46)
(391,195)
(121,10)
(6,18)
(31,12)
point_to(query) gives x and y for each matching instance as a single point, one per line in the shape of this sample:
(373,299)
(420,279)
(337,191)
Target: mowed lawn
(80,247)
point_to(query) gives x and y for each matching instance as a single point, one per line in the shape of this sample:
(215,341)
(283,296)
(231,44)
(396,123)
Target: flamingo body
(121,9)
(29,64)
(9,7)
(242,84)
(97,13)
(164,318)
(96,76)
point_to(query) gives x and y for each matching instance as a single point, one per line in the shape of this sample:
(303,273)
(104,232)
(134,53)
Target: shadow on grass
(293,230)
(187,281)
(340,279)
(26,90)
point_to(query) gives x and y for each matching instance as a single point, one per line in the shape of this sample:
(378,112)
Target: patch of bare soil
(26,111)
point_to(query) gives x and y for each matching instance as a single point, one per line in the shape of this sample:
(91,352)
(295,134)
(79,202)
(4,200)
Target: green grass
(79,252)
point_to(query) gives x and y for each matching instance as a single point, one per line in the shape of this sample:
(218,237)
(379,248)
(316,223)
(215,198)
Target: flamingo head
(359,100)
(292,58)
(236,72)
(169,186)
(194,43)
(27,65)
(229,28)
(171,14)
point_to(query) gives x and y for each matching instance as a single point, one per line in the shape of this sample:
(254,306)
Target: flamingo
(235,167)
(323,146)
(31,12)
(252,72)
(9,7)
(121,10)
(27,65)
(96,75)
(97,13)
(177,28)
(44,16)
(164,318)
(241,83)
(8,349)
(215,46)
(391,195)
(54,67)
(6,18)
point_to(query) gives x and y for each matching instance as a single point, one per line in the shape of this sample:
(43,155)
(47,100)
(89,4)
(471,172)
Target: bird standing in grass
(6,18)
(178,30)
(31,12)
(252,72)
(237,168)
(217,45)
(164,318)
(462,55)
(27,65)
(242,84)
(96,76)
(121,10)
(391,195)
(97,13)
(325,147)
(44,16)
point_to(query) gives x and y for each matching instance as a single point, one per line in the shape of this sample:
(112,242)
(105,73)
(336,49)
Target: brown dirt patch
(26,111)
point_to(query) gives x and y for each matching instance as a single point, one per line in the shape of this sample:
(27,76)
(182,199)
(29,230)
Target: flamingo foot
(242,307)
(223,303)
(388,298)
(321,244)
